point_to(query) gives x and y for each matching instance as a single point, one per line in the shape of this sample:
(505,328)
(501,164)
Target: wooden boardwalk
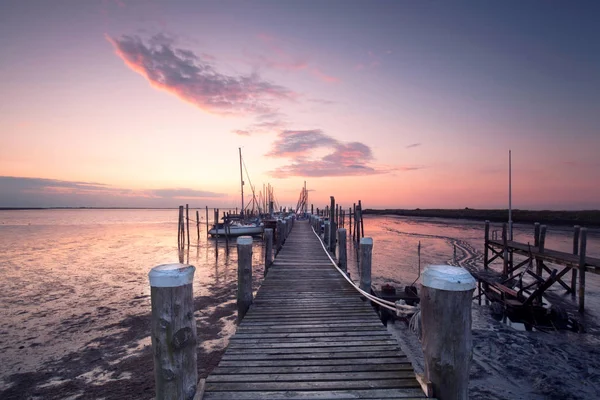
(308,335)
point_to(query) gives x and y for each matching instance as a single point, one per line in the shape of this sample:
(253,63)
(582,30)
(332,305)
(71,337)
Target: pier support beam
(575,251)
(446,297)
(173,331)
(486,248)
(341,252)
(366,252)
(244,290)
(582,251)
(268,249)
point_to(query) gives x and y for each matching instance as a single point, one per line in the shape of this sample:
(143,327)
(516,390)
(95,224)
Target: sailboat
(237,225)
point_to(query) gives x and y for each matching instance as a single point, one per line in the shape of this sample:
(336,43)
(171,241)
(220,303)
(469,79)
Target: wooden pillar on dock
(446,296)
(173,331)
(575,251)
(326,226)
(331,233)
(362,224)
(536,234)
(504,250)
(198,224)
(244,289)
(341,252)
(582,251)
(350,219)
(268,249)
(187,218)
(366,253)
(179,222)
(206,221)
(541,244)
(486,248)
(354,231)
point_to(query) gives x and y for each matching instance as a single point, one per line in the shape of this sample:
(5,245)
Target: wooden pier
(576,262)
(309,335)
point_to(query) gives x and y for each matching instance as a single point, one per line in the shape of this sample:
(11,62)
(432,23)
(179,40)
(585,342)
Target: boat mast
(241,183)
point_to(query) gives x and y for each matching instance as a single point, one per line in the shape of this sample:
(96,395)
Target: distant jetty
(585,217)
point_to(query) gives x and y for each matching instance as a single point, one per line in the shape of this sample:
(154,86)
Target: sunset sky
(402,104)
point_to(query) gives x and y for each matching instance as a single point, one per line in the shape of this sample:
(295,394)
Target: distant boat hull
(237,230)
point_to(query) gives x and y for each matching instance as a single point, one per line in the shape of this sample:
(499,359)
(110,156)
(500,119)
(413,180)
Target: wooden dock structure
(309,335)
(577,262)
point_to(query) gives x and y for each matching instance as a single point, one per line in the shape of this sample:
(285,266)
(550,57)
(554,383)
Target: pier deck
(308,335)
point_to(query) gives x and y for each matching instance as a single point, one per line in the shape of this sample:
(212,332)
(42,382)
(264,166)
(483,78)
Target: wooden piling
(486,248)
(173,331)
(179,245)
(198,224)
(446,296)
(362,225)
(575,251)
(326,226)
(268,235)
(187,218)
(350,219)
(244,289)
(206,221)
(341,252)
(366,252)
(582,251)
(539,269)
(536,234)
(504,250)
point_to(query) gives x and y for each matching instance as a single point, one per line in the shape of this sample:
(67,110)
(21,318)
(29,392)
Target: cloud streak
(194,78)
(413,145)
(343,159)
(40,192)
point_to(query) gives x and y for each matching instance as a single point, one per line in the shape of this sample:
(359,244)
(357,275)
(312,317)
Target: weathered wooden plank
(321,355)
(313,377)
(313,385)
(223,370)
(313,362)
(404,393)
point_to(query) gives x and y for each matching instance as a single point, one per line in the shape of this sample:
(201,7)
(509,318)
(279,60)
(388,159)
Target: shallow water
(71,277)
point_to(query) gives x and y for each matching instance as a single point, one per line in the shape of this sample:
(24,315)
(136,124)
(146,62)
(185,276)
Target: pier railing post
(541,244)
(341,252)
(582,251)
(326,233)
(279,235)
(366,252)
(575,251)
(486,248)
(244,289)
(446,297)
(504,250)
(173,331)
(268,249)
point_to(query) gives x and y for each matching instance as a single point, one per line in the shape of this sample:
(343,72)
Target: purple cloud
(411,146)
(345,159)
(193,78)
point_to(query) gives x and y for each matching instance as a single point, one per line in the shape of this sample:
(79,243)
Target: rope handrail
(384,303)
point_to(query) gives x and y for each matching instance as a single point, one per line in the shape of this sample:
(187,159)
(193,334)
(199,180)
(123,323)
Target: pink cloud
(195,79)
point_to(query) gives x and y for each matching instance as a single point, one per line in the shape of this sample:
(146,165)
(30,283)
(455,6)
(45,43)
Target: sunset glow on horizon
(399,104)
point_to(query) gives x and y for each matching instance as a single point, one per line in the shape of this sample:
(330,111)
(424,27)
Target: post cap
(171,275)
(366,240)
(447,277)
(244,240)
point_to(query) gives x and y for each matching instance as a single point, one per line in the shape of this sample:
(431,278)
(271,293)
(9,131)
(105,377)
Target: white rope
(384,303)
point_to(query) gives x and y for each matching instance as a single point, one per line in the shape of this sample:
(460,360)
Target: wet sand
(510,365)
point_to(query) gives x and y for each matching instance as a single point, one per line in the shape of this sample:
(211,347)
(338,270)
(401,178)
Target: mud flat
(528,365)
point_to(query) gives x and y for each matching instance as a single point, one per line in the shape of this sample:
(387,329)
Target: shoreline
(588,218)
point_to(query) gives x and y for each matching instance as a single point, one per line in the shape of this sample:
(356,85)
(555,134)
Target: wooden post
(350,219)
(354,231)
(244,289)
(362,225)
(446,296)
(187,217)
(268,249)
(366,252)
(504,250)
(331,233)
(198,224)
(486,246)
(326,226)
(225,223)
(341,253)
(206,221)
(575,251)
(173,331)
(541,244)
(179,246)
(582,250)
(536,234)
(279,235)
(216,217)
